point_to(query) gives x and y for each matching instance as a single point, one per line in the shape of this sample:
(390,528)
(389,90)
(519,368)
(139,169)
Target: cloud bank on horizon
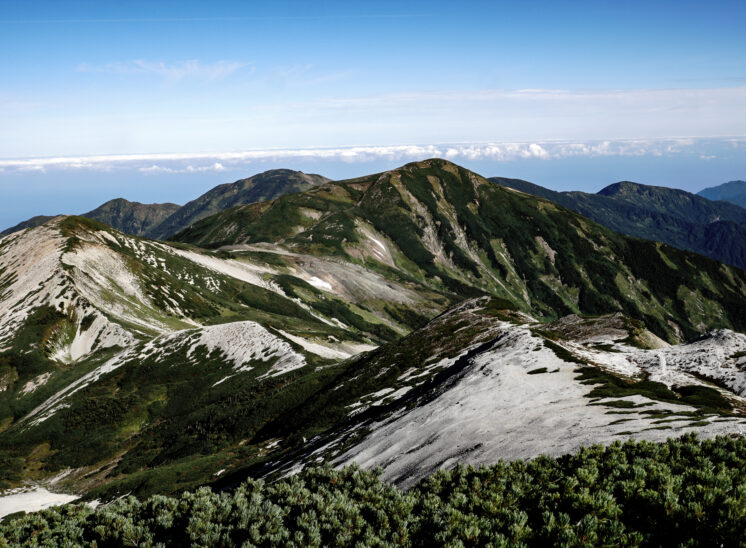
(155,163)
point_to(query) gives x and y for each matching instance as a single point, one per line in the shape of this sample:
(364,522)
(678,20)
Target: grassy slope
(461,235)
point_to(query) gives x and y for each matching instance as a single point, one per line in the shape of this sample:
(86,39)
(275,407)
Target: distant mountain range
(675,217)
(28,223)
(128,217)
(410,319)
(733,192)
(710,223)
(162,220)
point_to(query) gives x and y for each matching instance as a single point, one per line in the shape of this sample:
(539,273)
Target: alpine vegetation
(681,492)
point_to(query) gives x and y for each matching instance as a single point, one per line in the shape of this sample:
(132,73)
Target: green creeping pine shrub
(683,492)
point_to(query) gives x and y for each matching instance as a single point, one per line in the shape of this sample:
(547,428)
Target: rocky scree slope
(678,218)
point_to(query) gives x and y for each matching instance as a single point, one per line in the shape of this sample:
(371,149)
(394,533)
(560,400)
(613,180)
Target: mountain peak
(131,217)
(624,188)
(123,202)
(258,188)
(430,163)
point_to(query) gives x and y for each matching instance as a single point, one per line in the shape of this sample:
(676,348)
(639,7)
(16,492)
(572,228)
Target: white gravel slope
(31,261)
(499,411)
(239,343)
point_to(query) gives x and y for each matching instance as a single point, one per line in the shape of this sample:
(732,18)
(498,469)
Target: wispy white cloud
(189,162)
(258,118)
(179,70)
(155,168)
(13,103)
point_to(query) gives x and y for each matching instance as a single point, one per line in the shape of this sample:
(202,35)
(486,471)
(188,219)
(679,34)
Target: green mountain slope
(112,344)
(131,217)
(687,221)
(733,192)
(456,232)
(260,187)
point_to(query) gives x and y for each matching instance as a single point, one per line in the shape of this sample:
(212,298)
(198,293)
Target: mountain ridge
(257,188)
(672,216)
(732,191)
(161,220)
(437,221)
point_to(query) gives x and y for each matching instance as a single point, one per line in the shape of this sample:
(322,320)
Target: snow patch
(319,283)
(31,500)
(35,383)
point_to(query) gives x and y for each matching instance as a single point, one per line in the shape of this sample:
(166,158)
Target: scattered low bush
(683,492)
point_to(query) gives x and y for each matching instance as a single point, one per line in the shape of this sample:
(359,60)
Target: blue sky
(159,101)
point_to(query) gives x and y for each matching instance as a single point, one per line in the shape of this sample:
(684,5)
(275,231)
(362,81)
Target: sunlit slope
(441,225)
(482,383)
(96,326)
(98,279)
